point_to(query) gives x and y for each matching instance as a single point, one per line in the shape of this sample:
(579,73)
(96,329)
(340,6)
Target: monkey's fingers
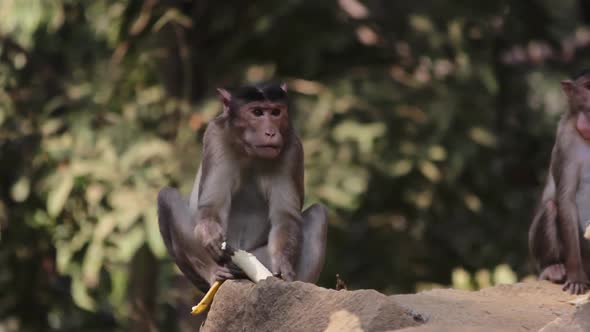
(236,271)
(207,299)
(575,288)
(215,252)
(224,273)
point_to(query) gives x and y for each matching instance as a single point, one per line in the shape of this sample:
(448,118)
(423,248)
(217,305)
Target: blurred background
(427,127)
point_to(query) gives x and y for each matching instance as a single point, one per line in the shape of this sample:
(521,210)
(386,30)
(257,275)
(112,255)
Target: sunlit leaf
(472,202)
(20,189)
(430,171)
(175,16)
(337,197)
(437,153)
(127,244)
(80,292)
(94,193)
(461,279)
(503,274)
(401,167)
(119,281)
(57,197)
(421,23)
(482,136)
(152,232)
(92,264)
(483,278)
(141,152)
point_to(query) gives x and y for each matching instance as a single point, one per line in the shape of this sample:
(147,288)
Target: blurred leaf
(483,278)
(472,202)
(401,167)
(92,264)
(57,197)
(430,171)
(94,193)
(461,279)
(127,244)
(80,292)
(20,189)
(437,153)
(482,136)
(141,152)
(174,16)
(152,231)
(503,274)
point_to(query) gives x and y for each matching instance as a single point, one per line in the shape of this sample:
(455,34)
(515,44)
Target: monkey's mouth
(268,150)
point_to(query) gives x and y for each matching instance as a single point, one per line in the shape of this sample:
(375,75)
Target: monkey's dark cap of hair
(581,73)
(261,92)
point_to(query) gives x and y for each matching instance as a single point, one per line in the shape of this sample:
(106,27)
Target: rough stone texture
(520,307)
(578,321)
(274,305)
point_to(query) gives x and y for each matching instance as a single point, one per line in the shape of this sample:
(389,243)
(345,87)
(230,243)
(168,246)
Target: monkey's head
(258,116)
(577,91)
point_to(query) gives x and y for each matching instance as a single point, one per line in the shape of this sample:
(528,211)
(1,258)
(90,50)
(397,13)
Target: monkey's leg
(177,231)
(545,244)
(313,248)
(582,203)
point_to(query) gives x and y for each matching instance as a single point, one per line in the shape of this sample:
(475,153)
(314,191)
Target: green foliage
(426,126)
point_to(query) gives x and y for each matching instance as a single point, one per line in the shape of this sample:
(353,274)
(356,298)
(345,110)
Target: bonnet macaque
(555,237)
(248,191)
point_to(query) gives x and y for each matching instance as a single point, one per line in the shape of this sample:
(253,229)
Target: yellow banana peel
(207,299)
(246,261)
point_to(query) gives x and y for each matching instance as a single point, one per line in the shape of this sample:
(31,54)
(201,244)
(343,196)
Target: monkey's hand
(576,287)
(211,235)
(283,268)
(229,270)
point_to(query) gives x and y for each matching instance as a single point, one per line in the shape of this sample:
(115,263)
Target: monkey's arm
(285,201)
(216,183)
(176,229)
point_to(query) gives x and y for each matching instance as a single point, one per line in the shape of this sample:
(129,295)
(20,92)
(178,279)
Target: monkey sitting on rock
(249,192)
(556,233)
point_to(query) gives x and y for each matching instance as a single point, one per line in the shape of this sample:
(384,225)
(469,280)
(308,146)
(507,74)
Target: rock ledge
(274,305)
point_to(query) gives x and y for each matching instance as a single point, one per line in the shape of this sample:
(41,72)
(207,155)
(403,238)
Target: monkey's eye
(275,112)
(587,86)
(257,111)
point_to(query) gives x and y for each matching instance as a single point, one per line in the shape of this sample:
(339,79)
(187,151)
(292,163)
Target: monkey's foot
(575,287)
(554,273)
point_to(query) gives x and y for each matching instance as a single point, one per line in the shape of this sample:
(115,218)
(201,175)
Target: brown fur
(250,197)
(555,236)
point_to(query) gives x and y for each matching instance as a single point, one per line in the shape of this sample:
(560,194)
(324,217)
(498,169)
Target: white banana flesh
(246,261)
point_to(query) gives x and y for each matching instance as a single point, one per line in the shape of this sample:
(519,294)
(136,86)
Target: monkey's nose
(270,133)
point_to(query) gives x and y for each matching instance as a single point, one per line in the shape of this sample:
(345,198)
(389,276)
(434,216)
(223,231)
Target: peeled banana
(246,261)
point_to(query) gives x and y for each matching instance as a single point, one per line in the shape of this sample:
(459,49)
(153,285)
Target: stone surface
(578,321)
(274,305)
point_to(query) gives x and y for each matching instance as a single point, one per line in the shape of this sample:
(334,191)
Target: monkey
(249,192)
(556,233)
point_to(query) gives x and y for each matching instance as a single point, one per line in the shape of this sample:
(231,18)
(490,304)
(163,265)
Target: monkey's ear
(225,97)
(567,86)
(284,86)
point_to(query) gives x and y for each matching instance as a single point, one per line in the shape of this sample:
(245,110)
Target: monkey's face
(264,128)
(578,94)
